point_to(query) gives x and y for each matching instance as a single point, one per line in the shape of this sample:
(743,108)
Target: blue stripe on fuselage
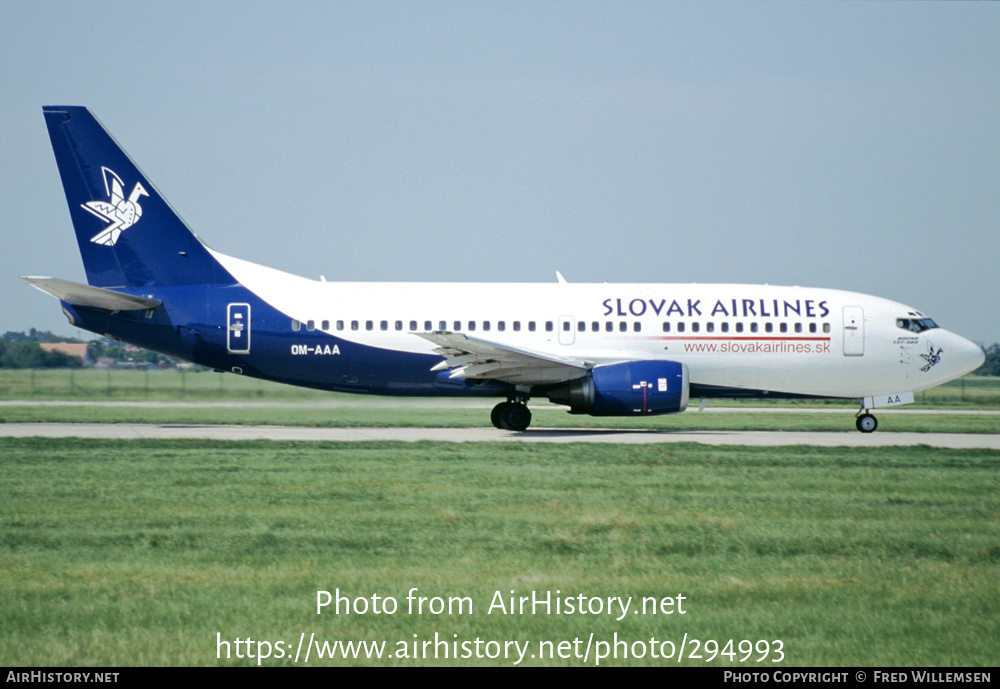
(192,325)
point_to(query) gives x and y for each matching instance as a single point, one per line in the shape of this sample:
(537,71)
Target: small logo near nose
(931,358)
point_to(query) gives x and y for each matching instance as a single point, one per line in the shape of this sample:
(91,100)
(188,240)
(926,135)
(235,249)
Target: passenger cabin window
(296,326)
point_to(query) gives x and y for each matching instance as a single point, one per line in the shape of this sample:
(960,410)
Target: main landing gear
(512,415)
(866,423)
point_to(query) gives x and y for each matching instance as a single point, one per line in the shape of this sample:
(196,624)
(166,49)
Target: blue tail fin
(129,236)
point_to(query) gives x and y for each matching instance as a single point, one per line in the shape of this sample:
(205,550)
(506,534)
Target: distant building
(74,349)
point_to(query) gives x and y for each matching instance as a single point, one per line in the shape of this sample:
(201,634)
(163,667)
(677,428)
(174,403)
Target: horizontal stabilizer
(76,294)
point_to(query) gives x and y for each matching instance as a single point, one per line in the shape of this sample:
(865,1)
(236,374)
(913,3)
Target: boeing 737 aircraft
(600,349)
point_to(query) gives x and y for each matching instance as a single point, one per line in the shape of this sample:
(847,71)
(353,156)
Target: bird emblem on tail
(122,213)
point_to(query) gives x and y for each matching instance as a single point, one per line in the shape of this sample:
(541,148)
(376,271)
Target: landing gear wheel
(867,423)
(517,417)
(511,416)
(497,414)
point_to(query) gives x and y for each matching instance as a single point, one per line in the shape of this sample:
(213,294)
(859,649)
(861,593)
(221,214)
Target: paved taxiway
(544,435)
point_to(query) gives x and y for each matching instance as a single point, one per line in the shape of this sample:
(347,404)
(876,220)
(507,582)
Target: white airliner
(600,349)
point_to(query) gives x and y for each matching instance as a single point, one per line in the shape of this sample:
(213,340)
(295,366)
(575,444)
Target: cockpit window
(917,325)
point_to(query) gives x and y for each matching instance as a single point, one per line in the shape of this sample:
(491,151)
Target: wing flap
(76,294)
(472,357)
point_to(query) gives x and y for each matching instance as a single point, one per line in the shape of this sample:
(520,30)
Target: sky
(846,145)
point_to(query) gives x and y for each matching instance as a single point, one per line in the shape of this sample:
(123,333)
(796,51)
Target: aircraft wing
(471,357)
(76,294)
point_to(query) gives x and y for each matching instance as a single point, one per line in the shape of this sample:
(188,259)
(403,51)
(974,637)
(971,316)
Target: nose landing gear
(866,423)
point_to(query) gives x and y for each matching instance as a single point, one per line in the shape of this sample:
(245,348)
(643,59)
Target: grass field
(140,553)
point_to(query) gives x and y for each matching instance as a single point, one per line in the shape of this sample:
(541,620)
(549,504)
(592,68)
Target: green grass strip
(141,552)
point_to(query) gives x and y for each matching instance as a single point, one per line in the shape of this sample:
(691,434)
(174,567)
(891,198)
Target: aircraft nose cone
(967,356)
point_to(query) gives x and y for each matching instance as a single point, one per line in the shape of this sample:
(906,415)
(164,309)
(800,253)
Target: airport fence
(139,384)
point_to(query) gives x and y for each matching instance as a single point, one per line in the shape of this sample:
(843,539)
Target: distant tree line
(992,365)
(22,350)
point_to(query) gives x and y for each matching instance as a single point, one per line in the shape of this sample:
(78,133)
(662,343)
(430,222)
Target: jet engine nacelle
(633,388)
